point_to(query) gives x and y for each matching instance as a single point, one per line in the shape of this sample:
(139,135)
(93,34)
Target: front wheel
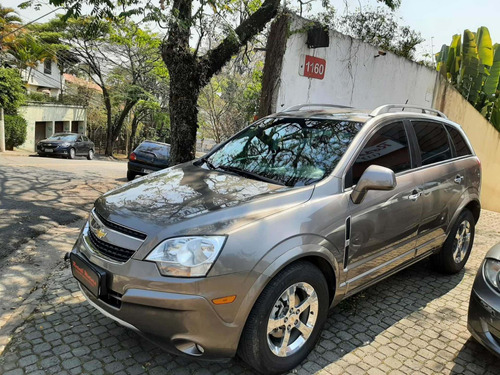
(90,155)
(285,322)
(457,247)
(71,153)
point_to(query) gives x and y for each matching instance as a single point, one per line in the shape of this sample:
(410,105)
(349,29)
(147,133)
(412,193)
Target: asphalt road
(38,193)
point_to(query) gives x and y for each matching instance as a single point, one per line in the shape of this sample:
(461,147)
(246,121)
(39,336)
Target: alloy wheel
(292,319)
(461,242)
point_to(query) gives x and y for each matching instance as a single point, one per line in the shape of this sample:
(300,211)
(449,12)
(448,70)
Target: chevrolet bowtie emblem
(100,233)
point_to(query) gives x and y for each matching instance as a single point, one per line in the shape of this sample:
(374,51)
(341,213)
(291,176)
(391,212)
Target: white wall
(353,76)
(50,113)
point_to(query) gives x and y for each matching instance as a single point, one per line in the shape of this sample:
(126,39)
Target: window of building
(47,66)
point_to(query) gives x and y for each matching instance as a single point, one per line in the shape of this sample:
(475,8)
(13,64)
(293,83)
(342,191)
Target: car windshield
(158,150)
(63,137)
(287,151)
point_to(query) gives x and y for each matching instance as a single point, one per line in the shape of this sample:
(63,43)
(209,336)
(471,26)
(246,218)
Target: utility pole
(2,131)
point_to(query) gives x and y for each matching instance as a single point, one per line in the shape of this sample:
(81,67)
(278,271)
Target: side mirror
(374,177)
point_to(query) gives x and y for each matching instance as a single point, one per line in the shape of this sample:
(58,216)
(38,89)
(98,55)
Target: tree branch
(216,58)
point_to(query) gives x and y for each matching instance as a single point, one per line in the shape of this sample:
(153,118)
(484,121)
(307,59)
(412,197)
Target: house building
(47,118)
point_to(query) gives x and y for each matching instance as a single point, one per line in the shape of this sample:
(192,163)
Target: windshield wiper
(208,163)
(245,173)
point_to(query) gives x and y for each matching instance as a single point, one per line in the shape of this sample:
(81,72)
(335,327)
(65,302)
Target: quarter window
(388,147)
(461,147)
(433,142)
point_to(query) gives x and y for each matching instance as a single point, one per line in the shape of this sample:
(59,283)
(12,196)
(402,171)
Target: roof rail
(386,108)
(300,106)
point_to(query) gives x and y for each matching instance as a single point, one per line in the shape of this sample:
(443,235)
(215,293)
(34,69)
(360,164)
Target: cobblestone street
(411,323)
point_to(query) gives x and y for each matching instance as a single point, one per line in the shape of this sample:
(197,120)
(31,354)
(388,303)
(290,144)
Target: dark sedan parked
(66,144)
(484,306)
(149,156)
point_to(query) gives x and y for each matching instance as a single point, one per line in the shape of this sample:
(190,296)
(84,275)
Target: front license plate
(89,275)
(48,150)
(147,170)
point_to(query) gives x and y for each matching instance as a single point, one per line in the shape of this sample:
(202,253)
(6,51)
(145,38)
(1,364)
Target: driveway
(38,193)
(412,323)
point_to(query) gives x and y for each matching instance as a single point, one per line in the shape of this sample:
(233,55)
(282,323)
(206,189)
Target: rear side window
(461,147)
(433,142)
(388,147)
(160,151)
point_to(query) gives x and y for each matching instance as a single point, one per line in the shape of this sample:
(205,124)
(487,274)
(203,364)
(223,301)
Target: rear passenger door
(442,179)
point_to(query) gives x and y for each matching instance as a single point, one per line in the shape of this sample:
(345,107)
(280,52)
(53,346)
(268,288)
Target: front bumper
(55,151)
(175,313)
(484,314)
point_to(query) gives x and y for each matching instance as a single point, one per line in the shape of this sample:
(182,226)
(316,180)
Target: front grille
(120,228)
(113,252)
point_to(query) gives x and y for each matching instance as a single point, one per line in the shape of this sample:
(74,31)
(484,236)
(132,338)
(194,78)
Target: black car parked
(149,156)
(66,144)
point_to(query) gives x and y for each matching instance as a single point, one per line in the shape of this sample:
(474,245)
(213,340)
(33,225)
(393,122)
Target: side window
(85,139)
(433,141)
(461,147)
(388,147)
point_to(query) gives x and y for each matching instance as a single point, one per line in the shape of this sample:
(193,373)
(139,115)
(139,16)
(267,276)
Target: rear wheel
(457,247)
(285,323)
(90,155)
(130,175)
(71,153)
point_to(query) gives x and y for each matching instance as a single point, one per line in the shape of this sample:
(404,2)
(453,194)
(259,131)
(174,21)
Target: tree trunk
(135,124)
(184,92)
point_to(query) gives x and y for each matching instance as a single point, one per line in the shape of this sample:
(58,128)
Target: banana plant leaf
(454,57)
(441,60)
(491,83)
(484,46)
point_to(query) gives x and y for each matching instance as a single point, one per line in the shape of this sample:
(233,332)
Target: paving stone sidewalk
(412,323)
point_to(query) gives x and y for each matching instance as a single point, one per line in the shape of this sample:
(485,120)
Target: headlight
(186,256)
(492,272)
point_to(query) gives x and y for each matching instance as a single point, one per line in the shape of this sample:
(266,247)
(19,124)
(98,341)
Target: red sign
(312,67)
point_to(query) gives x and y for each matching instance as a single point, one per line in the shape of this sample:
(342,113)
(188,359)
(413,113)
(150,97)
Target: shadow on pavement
(475,358)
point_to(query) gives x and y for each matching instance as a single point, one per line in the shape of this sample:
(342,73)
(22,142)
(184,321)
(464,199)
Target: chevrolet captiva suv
(244,251)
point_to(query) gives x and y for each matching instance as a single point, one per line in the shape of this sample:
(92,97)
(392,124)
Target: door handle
(414,196)
(458,179)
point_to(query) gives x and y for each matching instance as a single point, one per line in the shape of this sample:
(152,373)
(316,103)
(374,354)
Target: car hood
(50,141)
(191,199)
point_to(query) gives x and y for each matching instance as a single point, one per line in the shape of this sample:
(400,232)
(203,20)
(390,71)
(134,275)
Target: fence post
(2,131)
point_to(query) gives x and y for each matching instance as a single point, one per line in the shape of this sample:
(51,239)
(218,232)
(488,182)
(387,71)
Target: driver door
(383,227)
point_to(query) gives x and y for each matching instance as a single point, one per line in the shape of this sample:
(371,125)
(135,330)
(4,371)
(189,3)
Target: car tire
(71,153)
(130,175)
(457,247)
(261,346)
(90,155)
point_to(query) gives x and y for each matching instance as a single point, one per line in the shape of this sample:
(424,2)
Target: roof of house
(81,82)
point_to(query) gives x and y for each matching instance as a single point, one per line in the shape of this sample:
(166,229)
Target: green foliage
(15,131)
(12,92)
(378,27)
(474,68)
